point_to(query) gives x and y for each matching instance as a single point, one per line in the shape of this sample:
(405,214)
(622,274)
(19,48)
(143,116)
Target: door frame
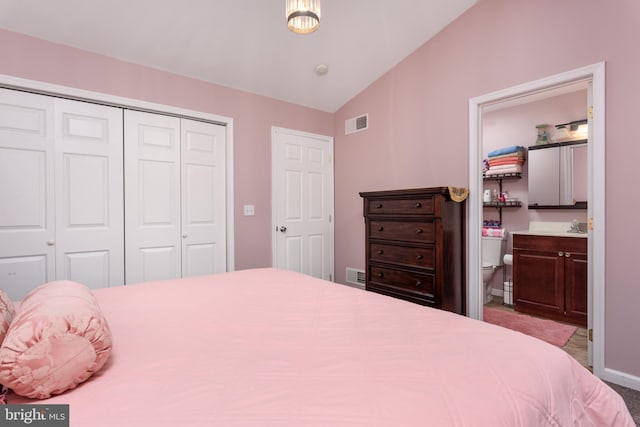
(43,88)
(596,189)
(274,161)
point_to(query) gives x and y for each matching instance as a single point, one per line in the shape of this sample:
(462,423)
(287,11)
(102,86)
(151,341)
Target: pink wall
(253,117)
(419,124)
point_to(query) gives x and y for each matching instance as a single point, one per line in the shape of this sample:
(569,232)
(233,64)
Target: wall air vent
(356,277)
(356,124)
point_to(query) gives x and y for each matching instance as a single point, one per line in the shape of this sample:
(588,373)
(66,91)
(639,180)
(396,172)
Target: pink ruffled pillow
(7,311)
(58,339)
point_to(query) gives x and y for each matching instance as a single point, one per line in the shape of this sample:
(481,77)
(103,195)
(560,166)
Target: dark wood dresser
(415,246)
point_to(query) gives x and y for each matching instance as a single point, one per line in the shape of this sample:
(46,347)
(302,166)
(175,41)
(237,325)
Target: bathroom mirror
(558,175)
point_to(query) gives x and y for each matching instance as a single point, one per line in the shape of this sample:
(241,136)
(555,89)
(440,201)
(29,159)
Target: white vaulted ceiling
(244,44)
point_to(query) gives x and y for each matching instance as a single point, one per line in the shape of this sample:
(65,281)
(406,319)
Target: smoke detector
(322,69)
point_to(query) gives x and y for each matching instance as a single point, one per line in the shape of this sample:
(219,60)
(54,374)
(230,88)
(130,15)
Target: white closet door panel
(27,224)
(157,194)
(159,263)
(203,198)
(89,267)
(21,274)
(152,197)
(89,193)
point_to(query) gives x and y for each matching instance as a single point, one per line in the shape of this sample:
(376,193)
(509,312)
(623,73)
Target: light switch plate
(249,210)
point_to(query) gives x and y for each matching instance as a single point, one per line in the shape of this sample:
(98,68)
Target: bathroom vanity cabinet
(550,277)
(415,246)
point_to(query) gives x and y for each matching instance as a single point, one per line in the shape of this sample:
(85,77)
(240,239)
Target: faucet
(576,227)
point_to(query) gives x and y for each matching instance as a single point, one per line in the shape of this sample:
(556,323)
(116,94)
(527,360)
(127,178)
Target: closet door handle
(51,242)
(184,236)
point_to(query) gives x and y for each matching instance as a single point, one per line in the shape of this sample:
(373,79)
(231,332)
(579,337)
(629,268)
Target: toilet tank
(493,250)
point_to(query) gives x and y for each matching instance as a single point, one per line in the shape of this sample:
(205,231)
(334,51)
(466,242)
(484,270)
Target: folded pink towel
(493,232)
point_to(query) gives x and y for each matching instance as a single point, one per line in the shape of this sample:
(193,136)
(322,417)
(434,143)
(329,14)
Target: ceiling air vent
(356,277)
(356,124)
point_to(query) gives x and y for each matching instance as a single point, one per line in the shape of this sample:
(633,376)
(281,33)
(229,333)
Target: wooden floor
(576,346)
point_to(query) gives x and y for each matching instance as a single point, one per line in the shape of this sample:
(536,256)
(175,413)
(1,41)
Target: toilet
(492,253)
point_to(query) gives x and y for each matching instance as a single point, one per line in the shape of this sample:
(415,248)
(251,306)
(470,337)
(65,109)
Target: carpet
(547,330)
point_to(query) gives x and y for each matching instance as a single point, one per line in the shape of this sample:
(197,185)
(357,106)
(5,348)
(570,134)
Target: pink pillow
(7,311)
(58,339)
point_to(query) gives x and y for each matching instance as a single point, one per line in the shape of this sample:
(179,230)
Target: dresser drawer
(409,231)
(416,206)
(400,279)
(402,255)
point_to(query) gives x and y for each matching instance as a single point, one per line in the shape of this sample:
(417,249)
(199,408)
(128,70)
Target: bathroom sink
(549,228)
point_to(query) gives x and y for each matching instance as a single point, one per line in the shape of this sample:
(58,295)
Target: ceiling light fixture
(303,16)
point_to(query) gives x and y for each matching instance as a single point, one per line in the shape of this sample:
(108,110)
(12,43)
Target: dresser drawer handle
(419,231)
(379,206)
(419,257)
(418,205)
(380,251)
(418,283)
(380,228)
(380,275)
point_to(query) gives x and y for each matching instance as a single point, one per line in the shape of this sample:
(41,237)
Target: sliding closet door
(61,212)
(27,224)
(152,197)
(89,193)
(203,198)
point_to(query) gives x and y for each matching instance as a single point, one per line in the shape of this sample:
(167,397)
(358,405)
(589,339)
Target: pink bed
(267,347)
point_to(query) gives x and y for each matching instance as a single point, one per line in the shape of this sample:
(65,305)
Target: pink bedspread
(273,348)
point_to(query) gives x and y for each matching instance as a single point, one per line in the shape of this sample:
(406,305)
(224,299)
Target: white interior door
(203,198)
(303,202)
(89,194)
(27,223)
(152,196)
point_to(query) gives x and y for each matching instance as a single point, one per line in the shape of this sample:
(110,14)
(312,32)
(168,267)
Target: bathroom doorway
(593,77)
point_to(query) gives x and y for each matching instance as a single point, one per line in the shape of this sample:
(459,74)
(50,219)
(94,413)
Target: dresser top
(407,192)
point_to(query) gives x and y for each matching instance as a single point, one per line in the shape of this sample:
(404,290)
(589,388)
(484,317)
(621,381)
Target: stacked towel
(505,160)
(493,232)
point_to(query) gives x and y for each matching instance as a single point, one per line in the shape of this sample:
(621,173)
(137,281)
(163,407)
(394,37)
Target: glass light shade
(582,132)
(303,16)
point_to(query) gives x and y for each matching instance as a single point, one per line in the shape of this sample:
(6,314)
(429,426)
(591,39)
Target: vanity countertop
(547,228)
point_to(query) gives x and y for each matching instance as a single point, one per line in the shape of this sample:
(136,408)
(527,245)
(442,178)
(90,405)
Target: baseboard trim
(497,292)
(621,378)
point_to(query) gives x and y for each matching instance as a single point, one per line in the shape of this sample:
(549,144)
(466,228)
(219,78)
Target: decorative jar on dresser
(415,246)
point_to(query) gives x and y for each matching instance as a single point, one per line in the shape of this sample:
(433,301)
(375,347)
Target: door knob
(51,242)
(283,229)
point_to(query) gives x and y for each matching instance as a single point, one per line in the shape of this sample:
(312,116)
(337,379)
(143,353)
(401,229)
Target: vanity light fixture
(303,16)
